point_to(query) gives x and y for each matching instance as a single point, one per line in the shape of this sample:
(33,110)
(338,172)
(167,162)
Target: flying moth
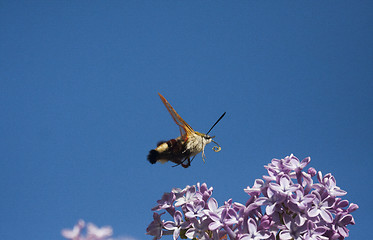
(183,149)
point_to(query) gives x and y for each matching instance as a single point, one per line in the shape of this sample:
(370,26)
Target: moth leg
(186,165)
(176,165)
(203,155)
(182,163)
(193,158)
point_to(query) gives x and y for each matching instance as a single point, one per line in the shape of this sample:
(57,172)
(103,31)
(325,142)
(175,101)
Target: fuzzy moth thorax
(196,142)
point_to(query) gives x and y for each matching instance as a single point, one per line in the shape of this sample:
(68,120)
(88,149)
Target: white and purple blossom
(93,232)
(75,233)
(195,210)
(256,189)
(286,204)
(190,195)
(213,207)
(176,225)
(321,208)
(284,186)
(328,185)
(155,228)
(272,201)
(314,233)
(254,233)
(226,218)
(198,230)
(299,202)
(292,229)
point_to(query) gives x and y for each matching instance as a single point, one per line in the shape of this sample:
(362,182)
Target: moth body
(180,150)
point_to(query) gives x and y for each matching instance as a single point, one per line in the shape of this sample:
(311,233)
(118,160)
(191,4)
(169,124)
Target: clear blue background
(80,110)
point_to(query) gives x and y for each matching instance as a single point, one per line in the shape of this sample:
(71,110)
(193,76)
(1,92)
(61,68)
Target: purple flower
(285,186)
(340,223)
(339,203)
(74,234)
(295,166)
(190,196)
(329,185)
(179,192)
(272,201)
(352,207)
(292,229)
(302,210)
(176,225)
(195,210)
(253,233)
(227,217)
(212,207)
(293,163)
(155,227)
(266,222)
(206,192)
(165,202)
(276,165)
(93,232)
(321,207)
(315,233)
(256,189)
(298,202)
(198,230)
(275,168)
(311,171)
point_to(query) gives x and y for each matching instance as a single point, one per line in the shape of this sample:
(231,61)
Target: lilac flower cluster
(93,232)
(286,204)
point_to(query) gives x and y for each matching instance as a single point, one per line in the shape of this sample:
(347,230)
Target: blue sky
(80,110)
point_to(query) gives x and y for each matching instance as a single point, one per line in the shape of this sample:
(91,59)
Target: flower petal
(214,225)
(327,216)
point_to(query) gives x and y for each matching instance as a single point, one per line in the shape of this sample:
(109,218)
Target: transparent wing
(184,127)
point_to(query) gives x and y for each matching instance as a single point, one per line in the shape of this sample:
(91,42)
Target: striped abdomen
(173,150)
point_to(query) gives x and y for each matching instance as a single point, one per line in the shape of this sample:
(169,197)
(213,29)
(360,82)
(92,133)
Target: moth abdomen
(172,150)
(153,156)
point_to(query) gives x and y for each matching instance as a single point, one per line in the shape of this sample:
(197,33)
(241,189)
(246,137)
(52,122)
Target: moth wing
(184,127)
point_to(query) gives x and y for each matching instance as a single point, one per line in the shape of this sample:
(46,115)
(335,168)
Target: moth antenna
(216,122)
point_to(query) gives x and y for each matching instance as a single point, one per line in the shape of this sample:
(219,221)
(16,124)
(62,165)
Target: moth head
(207,139)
